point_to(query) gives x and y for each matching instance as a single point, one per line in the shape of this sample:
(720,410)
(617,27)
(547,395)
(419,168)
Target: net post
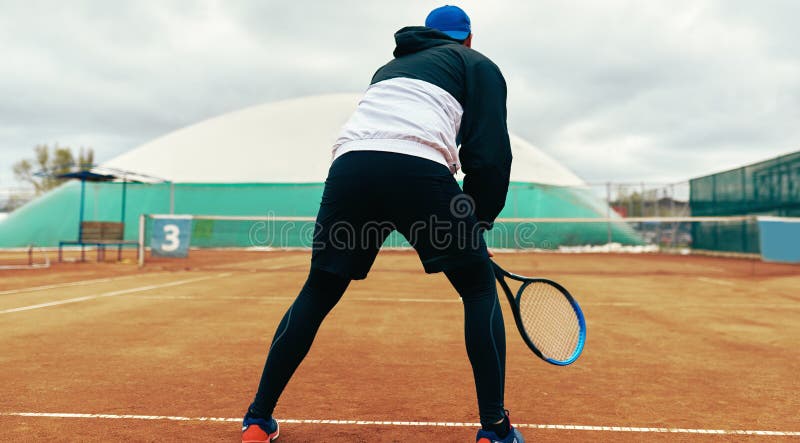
(140,246)
(171,198)
(608,213)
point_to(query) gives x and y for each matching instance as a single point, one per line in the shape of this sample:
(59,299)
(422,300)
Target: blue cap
(451,20)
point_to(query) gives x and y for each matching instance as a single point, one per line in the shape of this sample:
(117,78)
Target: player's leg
(340,253)
(294,337)
(437,218)
(485,337)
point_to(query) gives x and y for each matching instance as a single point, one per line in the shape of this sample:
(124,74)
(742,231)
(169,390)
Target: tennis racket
(548,318)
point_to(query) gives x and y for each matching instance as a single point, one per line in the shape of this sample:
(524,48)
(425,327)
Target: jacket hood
(413,39)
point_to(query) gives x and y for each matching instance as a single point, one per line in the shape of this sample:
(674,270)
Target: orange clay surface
(673,342)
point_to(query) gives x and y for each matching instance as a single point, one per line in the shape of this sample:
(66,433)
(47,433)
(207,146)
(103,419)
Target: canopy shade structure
(87,176)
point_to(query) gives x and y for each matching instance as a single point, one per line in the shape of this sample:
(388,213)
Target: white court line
(273,299)
(255,265)
(697,305)
(407,300)
(215,297)
(268,299)
(412,423)
(65,285)
(716,281)
(110,294)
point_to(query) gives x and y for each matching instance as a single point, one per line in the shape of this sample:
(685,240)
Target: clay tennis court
(679,348)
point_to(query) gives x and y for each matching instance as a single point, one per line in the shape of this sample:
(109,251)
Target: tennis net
(737,235)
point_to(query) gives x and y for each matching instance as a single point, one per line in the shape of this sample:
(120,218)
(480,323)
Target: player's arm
(485,148)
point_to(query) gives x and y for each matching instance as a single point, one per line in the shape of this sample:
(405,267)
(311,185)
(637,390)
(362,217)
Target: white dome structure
(284,142)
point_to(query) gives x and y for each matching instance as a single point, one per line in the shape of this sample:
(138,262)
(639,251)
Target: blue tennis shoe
(514,436)
(490,437)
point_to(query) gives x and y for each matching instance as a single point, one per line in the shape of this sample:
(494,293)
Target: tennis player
(393,170)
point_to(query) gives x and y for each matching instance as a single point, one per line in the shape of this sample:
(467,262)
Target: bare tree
(41,171)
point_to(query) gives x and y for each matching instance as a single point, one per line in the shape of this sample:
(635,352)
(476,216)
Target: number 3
(171,240)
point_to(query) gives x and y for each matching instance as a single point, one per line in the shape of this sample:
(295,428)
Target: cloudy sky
(621,90)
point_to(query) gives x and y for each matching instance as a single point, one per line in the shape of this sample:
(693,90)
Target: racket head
(550,320)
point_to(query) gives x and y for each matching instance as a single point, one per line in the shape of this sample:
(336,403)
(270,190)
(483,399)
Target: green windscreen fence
(770,187)
(726,236)
(54,216)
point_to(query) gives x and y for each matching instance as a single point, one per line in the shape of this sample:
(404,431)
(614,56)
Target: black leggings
(483,331)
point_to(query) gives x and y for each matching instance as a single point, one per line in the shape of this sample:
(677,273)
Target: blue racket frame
(514,301)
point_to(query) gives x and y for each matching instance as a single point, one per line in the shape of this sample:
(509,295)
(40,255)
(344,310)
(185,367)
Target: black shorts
(370,194)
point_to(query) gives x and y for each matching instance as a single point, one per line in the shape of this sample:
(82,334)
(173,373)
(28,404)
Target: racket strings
(549,320)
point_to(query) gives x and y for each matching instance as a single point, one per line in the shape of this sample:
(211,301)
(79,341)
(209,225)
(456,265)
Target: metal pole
(80,218)
(608,211)
(643,214)
(672,201)
(714,211)
(630,195)
(80,215)
(171,197)
(657,202)
(675,226)
(141,240)
(124,197)
(122,215)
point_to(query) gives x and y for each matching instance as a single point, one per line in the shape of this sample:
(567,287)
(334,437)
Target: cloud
(676,88)
(616,90)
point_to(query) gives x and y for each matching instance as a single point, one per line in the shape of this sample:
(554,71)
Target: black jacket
(472,79)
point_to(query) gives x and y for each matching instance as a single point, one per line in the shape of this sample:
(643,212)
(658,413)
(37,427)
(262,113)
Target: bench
(100,235)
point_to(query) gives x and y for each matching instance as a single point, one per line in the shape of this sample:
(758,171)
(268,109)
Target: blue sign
(170,237)
(780,239)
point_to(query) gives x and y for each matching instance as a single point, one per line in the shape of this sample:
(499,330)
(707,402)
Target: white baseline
(69,284)
(110,294)
(410,423)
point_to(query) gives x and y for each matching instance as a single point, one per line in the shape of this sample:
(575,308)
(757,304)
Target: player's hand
(491,254)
